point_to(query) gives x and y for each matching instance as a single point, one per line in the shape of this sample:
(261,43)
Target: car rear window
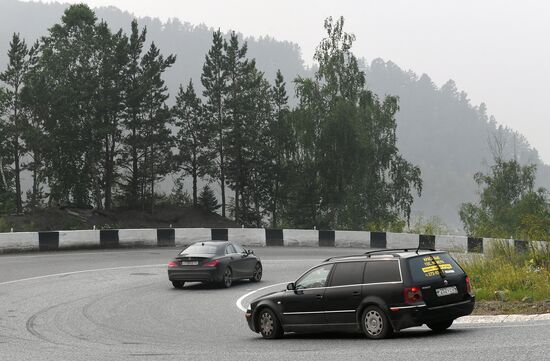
(424,267)
(382,271)
(349,273)
(201,248)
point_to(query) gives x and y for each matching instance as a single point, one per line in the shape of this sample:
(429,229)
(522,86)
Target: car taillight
(213,263)
(468,285)
(172,264)
(412,294)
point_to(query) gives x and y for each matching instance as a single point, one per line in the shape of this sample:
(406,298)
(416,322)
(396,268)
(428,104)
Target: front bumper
(250,320)
(410,316)
(202,274)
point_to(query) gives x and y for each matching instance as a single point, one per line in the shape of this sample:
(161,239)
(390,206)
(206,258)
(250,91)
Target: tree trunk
(236,205)
(18,199)
(4,181)
(274,209)
(194,174)
(108,174)
(135,172)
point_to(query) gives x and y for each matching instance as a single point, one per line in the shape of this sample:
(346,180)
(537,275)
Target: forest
(87,107)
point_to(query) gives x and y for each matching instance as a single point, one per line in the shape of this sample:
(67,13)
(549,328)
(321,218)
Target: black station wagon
(378,293)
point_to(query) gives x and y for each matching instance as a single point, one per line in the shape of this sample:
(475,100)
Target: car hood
(275,294)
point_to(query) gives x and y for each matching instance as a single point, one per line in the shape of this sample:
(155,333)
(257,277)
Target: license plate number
(189,263)
(445,291)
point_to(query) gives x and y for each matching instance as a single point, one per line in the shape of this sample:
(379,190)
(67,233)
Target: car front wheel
(374,323)
(440,326)
(269,325)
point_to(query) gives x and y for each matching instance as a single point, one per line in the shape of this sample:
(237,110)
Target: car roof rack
(393,250)
(346,256)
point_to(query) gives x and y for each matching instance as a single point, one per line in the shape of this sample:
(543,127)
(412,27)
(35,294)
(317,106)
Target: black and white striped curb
(252,237)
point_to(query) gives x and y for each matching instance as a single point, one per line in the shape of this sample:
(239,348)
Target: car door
(234,261)
(383,280)
(343,295)
(245,261)
(304,306)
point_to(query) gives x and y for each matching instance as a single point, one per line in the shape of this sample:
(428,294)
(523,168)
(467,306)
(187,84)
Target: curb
(492,319)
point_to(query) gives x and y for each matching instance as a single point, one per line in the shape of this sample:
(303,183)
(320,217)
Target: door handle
(319,297)
(356,293)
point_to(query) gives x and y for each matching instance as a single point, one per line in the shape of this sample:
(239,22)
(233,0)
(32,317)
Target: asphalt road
(119,305)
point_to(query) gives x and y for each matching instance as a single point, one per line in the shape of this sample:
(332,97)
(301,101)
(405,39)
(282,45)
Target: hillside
(438,128)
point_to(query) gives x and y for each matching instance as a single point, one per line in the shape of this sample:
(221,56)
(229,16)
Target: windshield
(430,266)
(201,248)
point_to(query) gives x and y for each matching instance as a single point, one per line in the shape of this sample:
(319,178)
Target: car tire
(178,284)
(375,323)
(227,278)
(257,274)
(269,325)
(440,326)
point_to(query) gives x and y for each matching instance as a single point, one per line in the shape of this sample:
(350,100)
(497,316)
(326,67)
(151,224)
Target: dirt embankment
(74,218)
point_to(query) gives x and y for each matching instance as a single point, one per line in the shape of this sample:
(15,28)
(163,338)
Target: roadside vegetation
(507,281)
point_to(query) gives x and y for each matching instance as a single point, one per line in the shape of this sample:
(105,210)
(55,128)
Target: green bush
(4,226)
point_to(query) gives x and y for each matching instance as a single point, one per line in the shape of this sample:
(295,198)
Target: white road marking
(240,300)
(83,271)
(70,253)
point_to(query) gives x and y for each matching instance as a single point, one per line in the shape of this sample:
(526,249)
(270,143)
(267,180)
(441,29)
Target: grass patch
(512,274)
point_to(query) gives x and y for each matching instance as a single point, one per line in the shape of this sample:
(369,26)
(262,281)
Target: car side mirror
(249,251)
(291,286)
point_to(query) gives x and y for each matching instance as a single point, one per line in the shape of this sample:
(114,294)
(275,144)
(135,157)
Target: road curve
(119,305)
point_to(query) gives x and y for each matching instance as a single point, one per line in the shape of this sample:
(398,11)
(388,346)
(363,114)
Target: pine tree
(6,190)
(280,146)
(112,59)
(13,77)
(238,71)
(207,199)
(133,105)
(156,135)
(194,158)
(35,96)
(214,81)
(68,72)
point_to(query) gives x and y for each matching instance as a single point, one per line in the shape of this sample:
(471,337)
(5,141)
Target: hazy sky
(497,51)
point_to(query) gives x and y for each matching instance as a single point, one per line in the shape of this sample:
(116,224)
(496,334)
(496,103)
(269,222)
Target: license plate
(189,263)
(445,291)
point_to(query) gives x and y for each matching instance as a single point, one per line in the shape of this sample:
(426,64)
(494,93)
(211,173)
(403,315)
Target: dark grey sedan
(214,261)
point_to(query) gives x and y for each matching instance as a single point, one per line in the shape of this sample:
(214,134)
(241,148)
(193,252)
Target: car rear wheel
(178,284)
(374,323)
(257,274)
(227,278)
(269,325)
(440,326)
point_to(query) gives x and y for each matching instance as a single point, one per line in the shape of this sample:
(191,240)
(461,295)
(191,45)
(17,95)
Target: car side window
(315,278)
(238,248)
(382,271)
(347,273)
(229,249)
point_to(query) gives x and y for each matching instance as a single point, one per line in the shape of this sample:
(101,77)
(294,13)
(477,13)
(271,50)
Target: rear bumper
(204,274)
(410,316)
